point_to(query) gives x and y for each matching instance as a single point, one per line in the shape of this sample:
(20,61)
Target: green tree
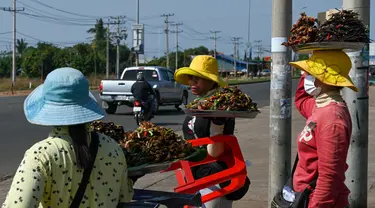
(183,57)
(39,61)
(201,50)
(83,58)
(98,31)
(31,62)
(21,46)
(5,65)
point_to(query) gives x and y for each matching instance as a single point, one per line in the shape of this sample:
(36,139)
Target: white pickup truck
(168,92)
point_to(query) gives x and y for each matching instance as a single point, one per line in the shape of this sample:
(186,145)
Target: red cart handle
(236,173)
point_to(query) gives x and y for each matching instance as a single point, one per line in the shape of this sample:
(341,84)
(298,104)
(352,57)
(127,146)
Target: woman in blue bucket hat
(73,167)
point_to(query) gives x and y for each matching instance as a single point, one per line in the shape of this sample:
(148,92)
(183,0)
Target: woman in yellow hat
(203,78)
(324,142)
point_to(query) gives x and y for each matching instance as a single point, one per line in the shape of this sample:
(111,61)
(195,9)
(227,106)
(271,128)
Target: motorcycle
(139,110)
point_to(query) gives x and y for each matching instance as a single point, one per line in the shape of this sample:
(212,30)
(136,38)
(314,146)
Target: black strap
(87,172)
(290,181)
(295,165)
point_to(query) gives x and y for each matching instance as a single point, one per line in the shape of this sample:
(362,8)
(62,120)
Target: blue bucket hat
(64,99)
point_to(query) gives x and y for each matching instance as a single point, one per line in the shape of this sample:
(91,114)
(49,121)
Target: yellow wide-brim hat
(202,66)
(331,67)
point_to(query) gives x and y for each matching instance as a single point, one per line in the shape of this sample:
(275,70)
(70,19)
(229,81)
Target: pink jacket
(323,147)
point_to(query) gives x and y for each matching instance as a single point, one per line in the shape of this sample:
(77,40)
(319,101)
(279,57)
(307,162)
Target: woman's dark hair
(215,86)
(79,133)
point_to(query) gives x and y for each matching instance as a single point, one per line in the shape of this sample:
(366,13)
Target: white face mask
(309,85)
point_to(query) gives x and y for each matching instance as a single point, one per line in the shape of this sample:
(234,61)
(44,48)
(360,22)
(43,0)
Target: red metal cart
(236,172)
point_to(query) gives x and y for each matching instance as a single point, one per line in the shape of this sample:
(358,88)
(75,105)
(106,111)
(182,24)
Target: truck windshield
(150,75)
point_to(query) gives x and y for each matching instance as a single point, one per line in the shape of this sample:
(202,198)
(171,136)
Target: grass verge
(25,85)
(29,84)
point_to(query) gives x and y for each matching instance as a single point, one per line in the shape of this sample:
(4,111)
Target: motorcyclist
(142,91)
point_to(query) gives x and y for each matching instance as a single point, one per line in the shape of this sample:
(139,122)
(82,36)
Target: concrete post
(280,99)
(356,176)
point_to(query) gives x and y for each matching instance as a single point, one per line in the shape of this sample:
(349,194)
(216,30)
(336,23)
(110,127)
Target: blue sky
(198,17)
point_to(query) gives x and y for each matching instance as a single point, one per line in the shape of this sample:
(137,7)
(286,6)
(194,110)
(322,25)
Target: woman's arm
(216,128)
(304,102)
(332,147)
(28,183)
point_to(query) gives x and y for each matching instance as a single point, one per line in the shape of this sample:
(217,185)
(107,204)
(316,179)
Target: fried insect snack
(229,98)
(116,132)
(148,144)
(304,31)
(343,26)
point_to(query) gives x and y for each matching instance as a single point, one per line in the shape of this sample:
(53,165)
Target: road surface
(17,135)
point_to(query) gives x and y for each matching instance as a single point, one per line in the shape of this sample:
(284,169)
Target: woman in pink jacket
(324,142)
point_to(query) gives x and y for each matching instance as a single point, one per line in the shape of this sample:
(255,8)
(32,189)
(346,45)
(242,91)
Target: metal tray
(221,113)
(141,170)
(319,46)
(169,199)
(138,205)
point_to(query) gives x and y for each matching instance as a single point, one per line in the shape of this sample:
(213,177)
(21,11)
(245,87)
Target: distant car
(265,72)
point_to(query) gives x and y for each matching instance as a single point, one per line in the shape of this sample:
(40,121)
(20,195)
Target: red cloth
(322,149)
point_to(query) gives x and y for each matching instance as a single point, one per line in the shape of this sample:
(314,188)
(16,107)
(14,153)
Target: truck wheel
(111,108)
(184,101)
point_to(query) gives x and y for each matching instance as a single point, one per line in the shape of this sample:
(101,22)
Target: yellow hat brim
(304,67)
(182,76)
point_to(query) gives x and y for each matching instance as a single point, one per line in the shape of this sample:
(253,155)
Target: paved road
(17,135)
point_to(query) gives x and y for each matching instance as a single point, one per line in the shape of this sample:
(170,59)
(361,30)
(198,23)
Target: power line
(64,11)
(54,15)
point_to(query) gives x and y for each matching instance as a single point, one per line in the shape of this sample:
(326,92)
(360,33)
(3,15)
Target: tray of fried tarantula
(228,102)
(150,148)
(342,31)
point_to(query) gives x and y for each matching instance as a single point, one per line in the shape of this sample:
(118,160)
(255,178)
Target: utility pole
(235,43)
(356,176)
(248,45)
(118,50)
(136,54)
(166,21)
(177,31)
(14,10)
(280,99)
(108,40)
(215,38)
(121,34)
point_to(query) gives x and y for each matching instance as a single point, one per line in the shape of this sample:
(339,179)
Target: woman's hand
(216,149)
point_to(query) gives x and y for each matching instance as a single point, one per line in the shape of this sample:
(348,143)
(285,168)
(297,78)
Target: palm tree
(99,31)
(21,46)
